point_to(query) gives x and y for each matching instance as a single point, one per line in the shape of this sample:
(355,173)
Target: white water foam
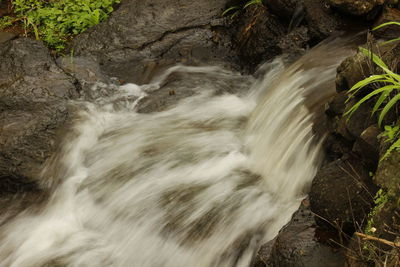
(203,183)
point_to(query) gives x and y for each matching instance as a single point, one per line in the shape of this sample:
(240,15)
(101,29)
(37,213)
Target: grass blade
(391,41)
(230,9)
(388,106)
(379,102)
(367,81)
(386,24)
(252,2)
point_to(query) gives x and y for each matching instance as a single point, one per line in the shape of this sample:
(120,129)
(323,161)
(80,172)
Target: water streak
(203,183)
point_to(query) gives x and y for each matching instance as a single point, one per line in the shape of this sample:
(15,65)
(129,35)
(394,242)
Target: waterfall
(202,182)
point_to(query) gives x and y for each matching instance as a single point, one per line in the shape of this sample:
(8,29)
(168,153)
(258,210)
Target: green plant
(385,25)
(234,10)
(380,199)
(55,22)
(389,88)
(393,136)
(5,22)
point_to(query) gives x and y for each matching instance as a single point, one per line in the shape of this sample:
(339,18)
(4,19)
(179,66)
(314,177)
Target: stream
(204,182)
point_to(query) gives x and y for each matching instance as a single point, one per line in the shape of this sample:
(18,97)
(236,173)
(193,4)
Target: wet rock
(360,120)
(390,31)
(300,243)
(180,85)
(258,35)
(390,55)
(387,174)
(83,69)
(352,70)
(295,42)
(87,75)
(263,257)
(358,8)
(358,67)
(6,36)
(33,106)
(336,146)
(367,147)
(336,106)
(342,194)
(284,8)
(141,32)
(316,15)
(321,21)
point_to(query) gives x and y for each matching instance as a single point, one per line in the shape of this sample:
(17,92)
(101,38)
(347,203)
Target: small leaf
(395,145)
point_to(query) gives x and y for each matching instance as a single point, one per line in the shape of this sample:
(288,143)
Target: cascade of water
(202,183)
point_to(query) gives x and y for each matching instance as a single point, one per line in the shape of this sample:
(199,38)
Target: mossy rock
(388,175)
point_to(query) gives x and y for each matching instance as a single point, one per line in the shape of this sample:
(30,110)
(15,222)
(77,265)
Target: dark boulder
(360,120)
(336,106)
(295,42)
(283,8)
(390,31)
(33,106)
(142,33)
(87,74)
(6,36)
(358,67)
(387,175)
(301,244)
(357,8)
(367,147)
(352,70)
(342,194)
(321,21)
(257,36)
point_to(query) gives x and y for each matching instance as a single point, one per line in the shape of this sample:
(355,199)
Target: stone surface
(358,67)
(300,243)
(336,106)
(144,33)
(314,14)
(6,36)
(360,120)
(321,21)
(390,31)
(387,175)
(358,7)
(342,194)
(352,70)
(284,8)
(367,147)
(257,36)
(33,106)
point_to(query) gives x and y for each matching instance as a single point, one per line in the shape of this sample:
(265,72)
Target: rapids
(202,182)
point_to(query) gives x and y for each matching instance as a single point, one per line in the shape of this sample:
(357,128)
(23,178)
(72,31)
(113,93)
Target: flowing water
(203,182)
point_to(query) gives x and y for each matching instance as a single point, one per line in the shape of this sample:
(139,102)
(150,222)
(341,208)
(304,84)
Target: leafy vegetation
(234,10)
(380,199)
(387,24)
(388,90)
(55,22)
(383,90)
(392,133)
